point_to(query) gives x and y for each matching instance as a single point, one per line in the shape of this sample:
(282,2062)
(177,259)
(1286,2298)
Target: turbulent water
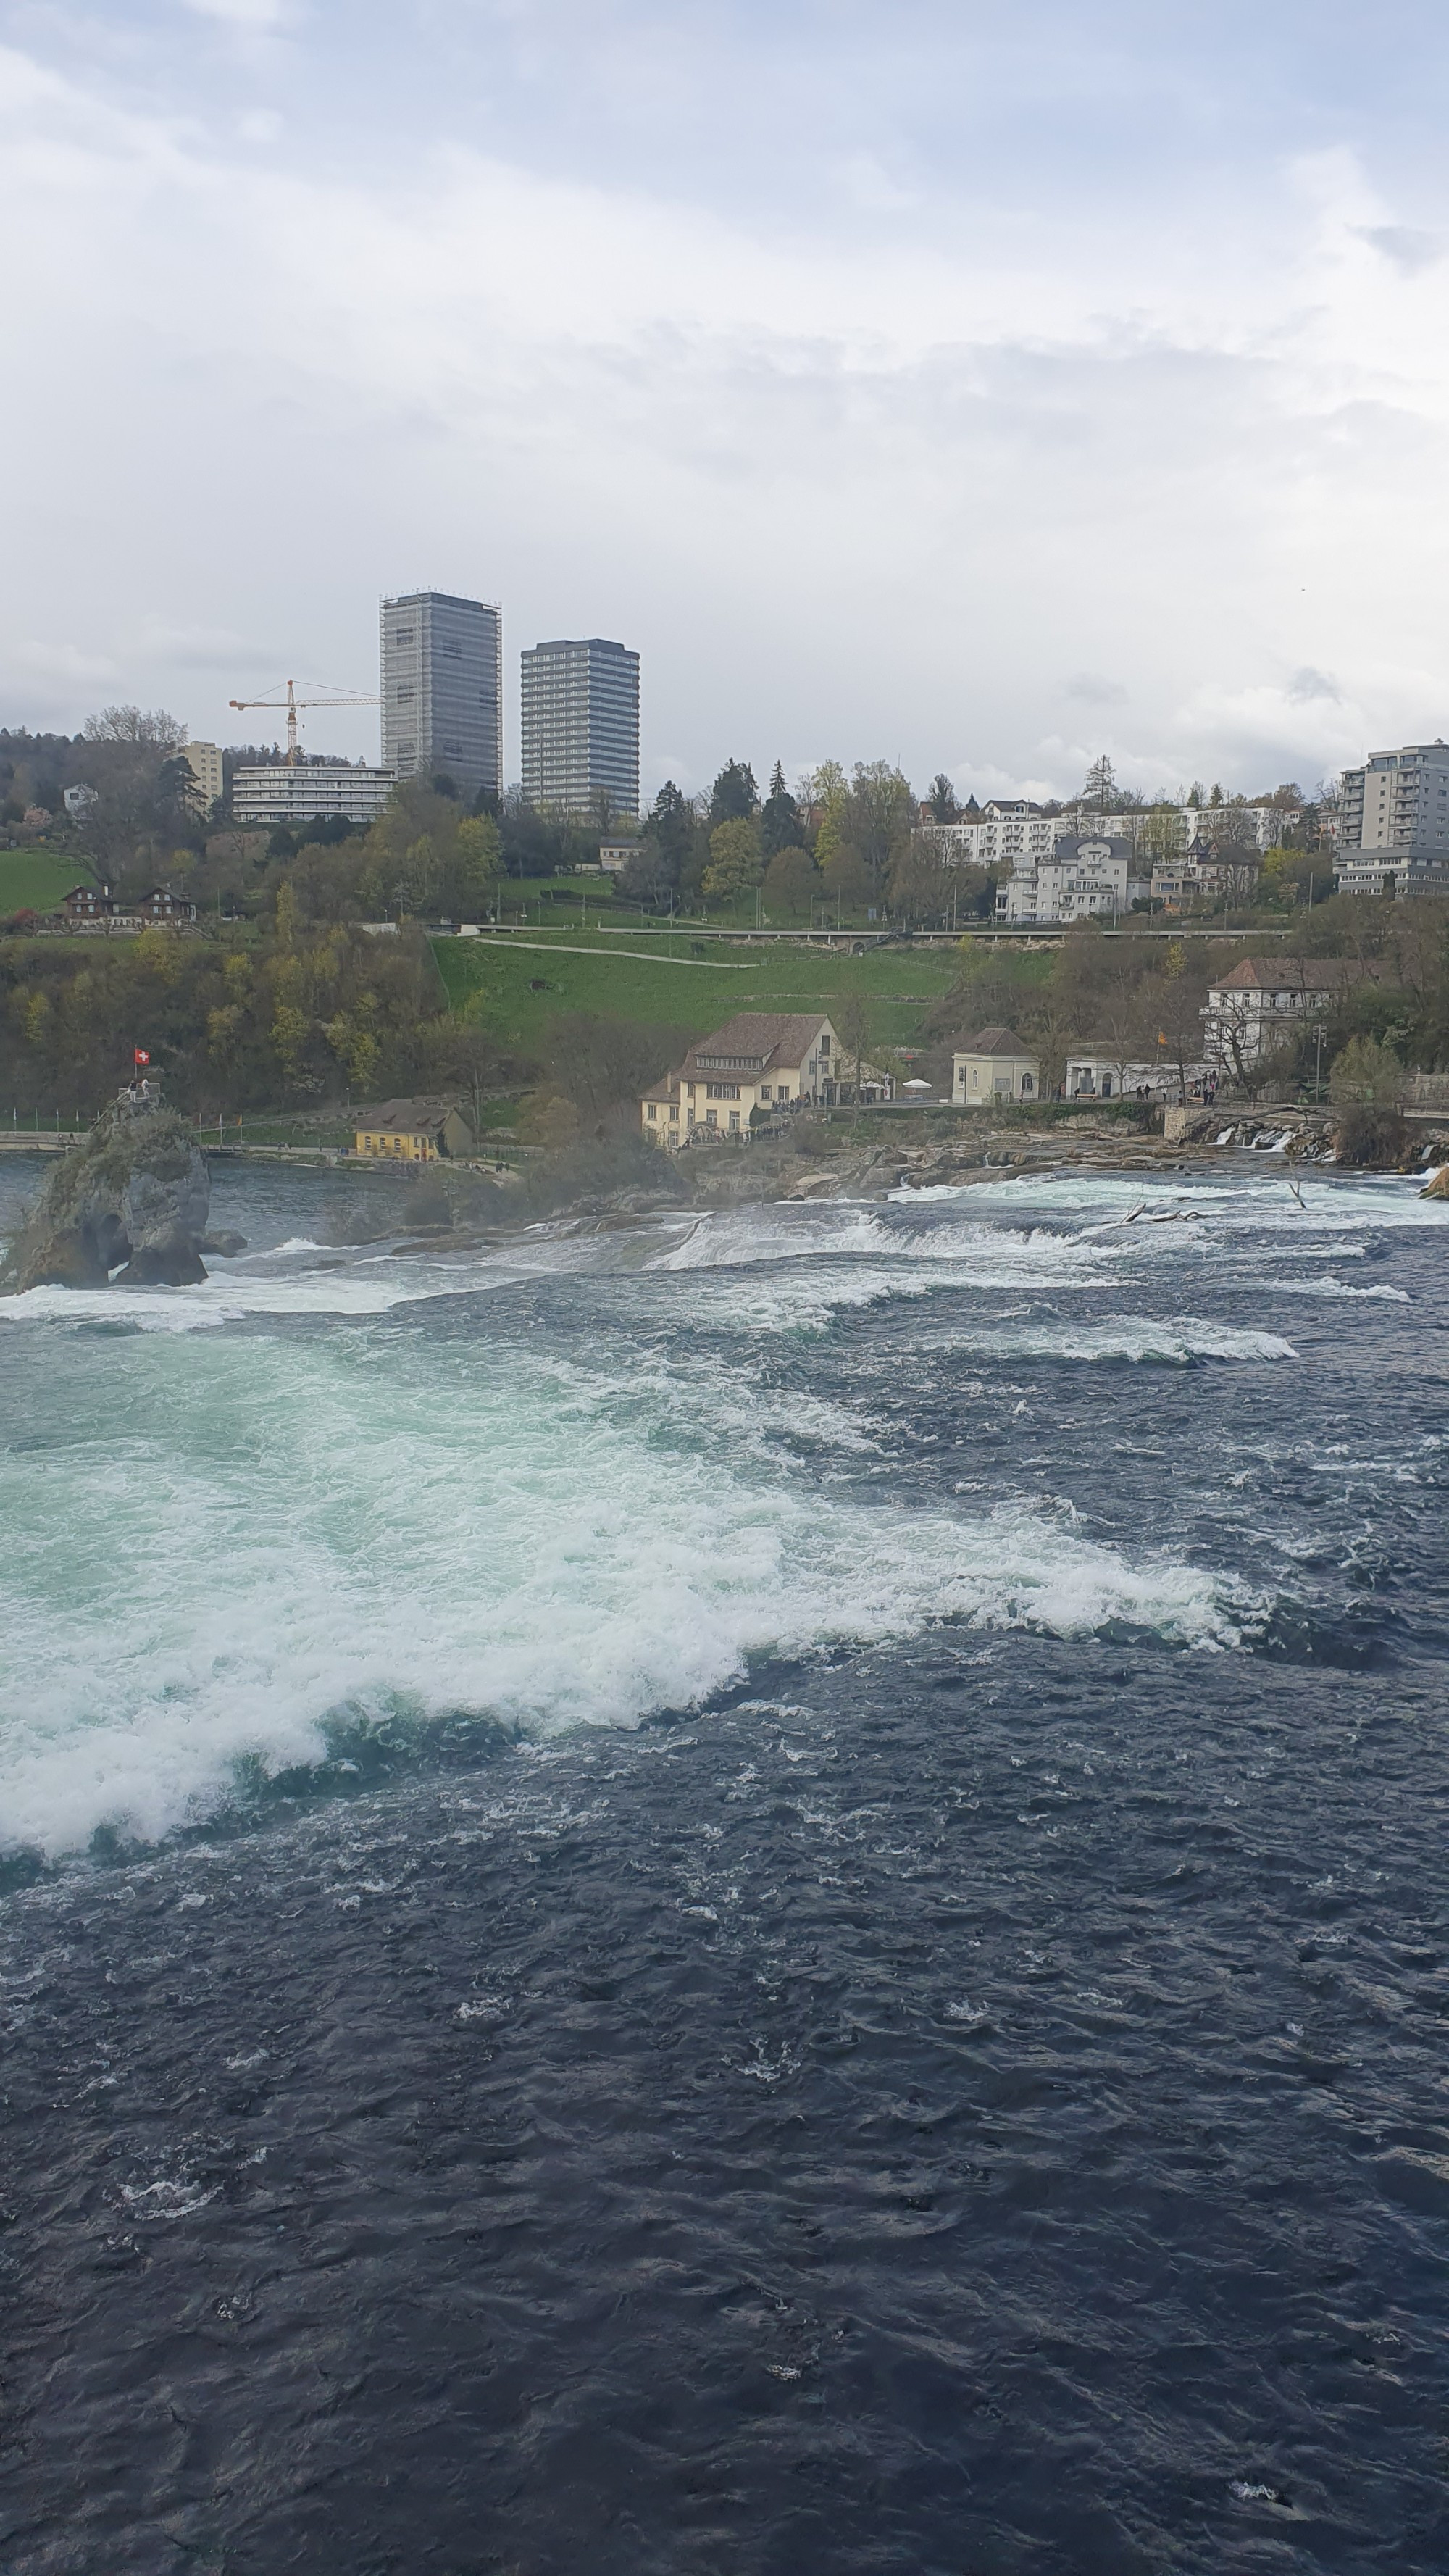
(751,1893)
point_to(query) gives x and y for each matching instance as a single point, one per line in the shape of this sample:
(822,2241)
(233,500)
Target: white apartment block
(314,792)
(1394,823)
(1080,880)
(1010,830)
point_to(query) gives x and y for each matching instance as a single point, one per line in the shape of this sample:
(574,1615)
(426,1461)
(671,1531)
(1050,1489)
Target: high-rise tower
(442,689)
(581,727)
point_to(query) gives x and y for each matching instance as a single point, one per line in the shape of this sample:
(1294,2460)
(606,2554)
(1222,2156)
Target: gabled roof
(1290,975)
(666,1088)
(996,1041)
(754,1042)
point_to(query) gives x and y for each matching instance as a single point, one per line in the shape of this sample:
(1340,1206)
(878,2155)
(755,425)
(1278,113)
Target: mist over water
(855,1788)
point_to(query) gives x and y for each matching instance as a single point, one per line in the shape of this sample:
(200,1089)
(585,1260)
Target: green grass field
(35,880)
(675,989)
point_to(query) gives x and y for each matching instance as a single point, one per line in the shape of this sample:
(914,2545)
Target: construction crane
(293,704)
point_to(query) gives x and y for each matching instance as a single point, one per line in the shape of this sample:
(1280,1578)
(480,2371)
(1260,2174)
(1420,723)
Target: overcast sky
(979,387)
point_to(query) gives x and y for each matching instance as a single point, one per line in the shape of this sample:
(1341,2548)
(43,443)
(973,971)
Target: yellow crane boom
(292,704)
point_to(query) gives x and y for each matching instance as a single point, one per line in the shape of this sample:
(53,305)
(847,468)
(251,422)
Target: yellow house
(765,1060)
(660,1105)
(996,1065)
(414,1131)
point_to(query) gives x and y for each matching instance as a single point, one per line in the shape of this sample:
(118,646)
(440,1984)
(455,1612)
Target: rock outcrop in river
(132,1199)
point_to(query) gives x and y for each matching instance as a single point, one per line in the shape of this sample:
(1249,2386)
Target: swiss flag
(139,1055)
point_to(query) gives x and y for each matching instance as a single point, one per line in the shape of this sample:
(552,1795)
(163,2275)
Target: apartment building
(203,759)
(442,689)
(580,719)
(1008,831)
(1394,823)
(316,791)
(1085,876)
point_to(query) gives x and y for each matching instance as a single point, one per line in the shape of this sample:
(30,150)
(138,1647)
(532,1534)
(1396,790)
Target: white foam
(1227,1201)
(228,1544)
(1337,1288)
(1176,1341)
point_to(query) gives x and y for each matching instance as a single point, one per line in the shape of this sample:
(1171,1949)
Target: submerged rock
(136,1193)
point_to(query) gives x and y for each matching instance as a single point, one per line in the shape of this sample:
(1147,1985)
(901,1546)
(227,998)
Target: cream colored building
(994,1066)
(204,761)
(766,1060)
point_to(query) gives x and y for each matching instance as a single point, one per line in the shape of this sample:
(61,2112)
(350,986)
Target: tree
(881,815)
(944,803)
(469,872)
(791,880)
(1100,791)
(853,1021)
(601,1065)
(780,826)
(669,834)
(734,797)
(153,728)
(922,881)
(734,859)
(1366,1075)
(848,880)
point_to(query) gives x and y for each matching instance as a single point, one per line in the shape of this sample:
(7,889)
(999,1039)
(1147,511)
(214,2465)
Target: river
(759,1892)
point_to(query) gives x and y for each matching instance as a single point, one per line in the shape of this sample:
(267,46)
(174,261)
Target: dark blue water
(964,2090)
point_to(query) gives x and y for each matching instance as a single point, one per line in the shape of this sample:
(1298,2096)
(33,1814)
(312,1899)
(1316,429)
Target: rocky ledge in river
(133,1200)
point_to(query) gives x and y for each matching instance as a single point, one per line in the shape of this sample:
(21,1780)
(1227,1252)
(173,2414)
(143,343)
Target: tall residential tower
(1394,824)
(442,689)
(581,727)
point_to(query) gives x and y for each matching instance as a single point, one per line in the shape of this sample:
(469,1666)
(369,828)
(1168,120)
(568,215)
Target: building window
(650,1111)
(674,1112)
(721,1091)
(404,635)
(734,1122)
(764,1091)
(405,696)
(711,1117)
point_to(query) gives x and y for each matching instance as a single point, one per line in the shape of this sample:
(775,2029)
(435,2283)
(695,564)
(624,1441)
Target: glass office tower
(442,689)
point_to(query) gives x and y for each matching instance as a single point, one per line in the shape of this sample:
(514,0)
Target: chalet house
(1261,1004)
(162,905)
(86,903)
(90,907)
(996,1065)
(760,1060)
(414,1131)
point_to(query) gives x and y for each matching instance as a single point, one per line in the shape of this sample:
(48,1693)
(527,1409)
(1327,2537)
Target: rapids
(755,1890)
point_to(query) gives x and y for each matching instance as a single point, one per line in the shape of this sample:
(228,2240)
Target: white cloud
(253,17)
(853,492)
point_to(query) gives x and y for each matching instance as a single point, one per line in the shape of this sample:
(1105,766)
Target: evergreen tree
(1100,792)
(734,797)
(670,828)
(781,827)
